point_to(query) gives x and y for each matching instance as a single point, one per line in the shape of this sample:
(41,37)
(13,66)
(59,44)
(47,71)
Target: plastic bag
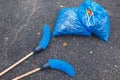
(88,18)
(68,23)
(98,22)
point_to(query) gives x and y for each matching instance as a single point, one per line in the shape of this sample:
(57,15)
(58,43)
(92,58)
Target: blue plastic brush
(60,65)
(42,45)
(52,64)
(45,39)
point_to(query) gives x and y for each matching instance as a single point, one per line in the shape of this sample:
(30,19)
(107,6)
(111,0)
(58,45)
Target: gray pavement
(21,24)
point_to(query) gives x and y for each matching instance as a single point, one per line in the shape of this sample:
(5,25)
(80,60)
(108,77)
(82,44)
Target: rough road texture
(21,24)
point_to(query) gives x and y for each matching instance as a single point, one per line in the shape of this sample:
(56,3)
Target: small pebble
(91,52)
(111,47)
(115,65)
(6,38)
(61,6)
(106,71)
(65,44)
(38,33)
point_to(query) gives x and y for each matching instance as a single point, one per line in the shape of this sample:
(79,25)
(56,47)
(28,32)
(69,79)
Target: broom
(42,45)
(52,64)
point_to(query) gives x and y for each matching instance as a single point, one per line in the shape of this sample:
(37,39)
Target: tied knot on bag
(89,12)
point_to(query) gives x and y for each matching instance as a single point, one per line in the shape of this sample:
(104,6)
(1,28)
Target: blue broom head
(63,66)
(46,37)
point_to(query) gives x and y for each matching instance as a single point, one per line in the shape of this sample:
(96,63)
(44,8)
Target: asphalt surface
(21,24)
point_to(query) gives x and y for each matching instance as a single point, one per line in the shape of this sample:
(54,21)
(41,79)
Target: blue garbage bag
(98,22)
(78,21)
(68,23)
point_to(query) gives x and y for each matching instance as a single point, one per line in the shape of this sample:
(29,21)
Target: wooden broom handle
(26,74)
(15,64)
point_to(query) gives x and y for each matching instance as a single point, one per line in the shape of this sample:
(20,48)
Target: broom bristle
(46,37)
(63,66)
